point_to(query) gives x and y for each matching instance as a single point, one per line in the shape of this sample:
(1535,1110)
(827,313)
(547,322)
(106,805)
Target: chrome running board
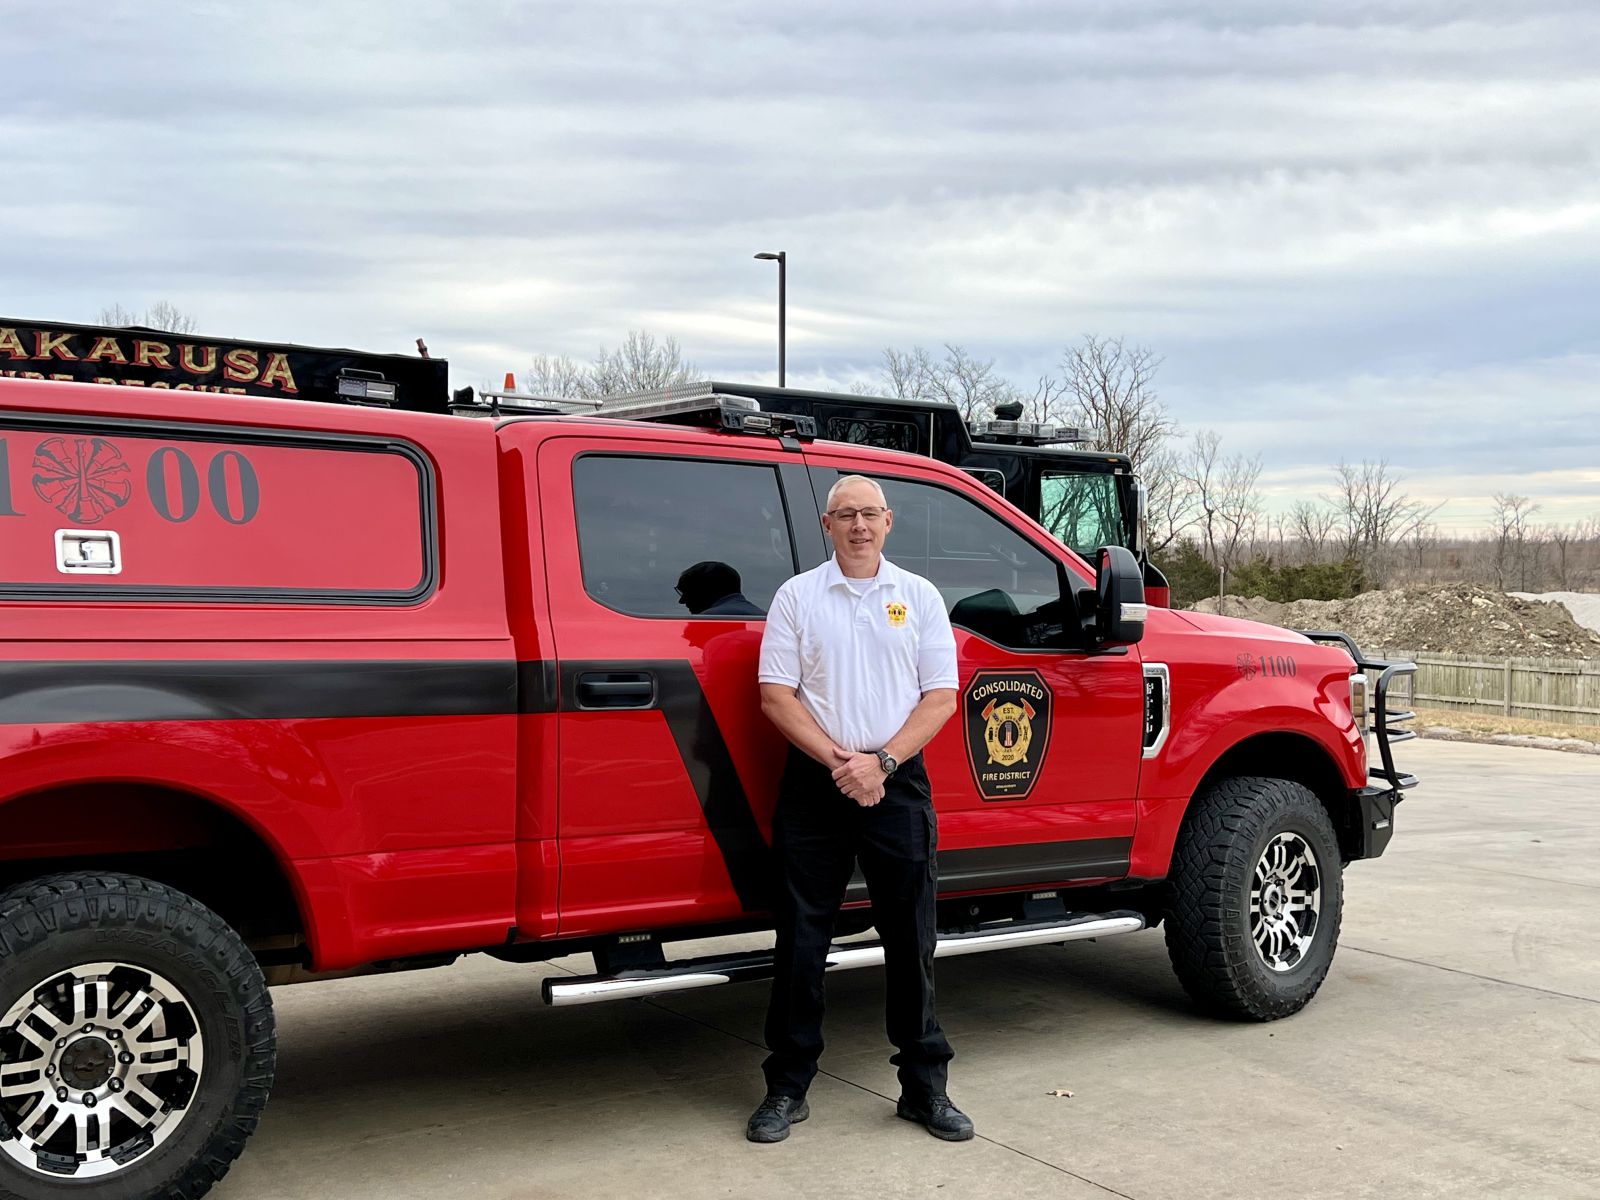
(709,972)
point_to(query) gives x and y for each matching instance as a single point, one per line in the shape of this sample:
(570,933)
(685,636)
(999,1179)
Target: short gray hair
(847,480)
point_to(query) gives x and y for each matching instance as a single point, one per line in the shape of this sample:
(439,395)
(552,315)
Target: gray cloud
(1351,228)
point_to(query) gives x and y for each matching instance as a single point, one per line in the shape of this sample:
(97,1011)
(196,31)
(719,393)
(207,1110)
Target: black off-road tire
(52,924)
(1208,917)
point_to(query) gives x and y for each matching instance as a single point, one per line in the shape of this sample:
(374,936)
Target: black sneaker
(938,1116)
(771,1120)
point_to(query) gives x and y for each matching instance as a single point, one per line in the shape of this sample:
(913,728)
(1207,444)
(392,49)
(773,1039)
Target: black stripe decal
(1035,863)
(49,692)
(36,693)
(538,687)
(680,698)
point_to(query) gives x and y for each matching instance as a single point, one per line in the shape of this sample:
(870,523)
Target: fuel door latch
(88,552)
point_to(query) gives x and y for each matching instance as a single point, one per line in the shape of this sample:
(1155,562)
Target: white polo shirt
(859,664)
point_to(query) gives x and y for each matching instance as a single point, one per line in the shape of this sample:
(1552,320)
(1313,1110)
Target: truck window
(109,510)
(889,435)
(990,478)
(643,521)
(993,580)
(1082,509)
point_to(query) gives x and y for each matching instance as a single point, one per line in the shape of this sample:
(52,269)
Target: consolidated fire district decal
(1008,730)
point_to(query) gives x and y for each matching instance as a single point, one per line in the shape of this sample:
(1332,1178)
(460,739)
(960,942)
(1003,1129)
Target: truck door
(672,551)
(1035,777)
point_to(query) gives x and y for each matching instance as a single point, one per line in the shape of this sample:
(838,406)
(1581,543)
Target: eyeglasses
(848,515)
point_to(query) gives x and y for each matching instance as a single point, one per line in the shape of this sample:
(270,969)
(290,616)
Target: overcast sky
(1350,229)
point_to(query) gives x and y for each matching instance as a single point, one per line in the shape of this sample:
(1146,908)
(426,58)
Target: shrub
(1193,578)
(1189,574)
(1299,581)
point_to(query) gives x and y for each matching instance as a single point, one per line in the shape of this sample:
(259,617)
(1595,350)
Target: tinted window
(994,581)
(890,435)
(1081,510)
(643,521)
(992,479)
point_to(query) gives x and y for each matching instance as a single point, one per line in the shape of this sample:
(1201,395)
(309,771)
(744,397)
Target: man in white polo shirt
(858,669)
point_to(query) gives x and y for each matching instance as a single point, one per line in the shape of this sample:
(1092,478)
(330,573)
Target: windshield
(1081,509)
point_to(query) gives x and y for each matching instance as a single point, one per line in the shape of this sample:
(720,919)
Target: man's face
(858,537)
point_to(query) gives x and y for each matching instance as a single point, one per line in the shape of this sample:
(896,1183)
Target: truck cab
(1085,498)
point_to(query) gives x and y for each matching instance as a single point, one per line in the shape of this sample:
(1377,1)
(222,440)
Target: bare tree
(1169,500)
(1572,552)
(639,364)
(1587,544)
(1561,539)
(906,373)
(971,384)
(1226,498)
(1373,514)
(1422,544)
(1512,518)
(163,315)
(1111,386)
(642,362)
(1049,402)
(556,376)
(1312,525)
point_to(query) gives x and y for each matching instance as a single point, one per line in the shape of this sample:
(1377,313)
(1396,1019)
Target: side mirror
(1119,604)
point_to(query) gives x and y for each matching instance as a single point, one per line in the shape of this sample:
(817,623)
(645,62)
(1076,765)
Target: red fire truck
(298,688)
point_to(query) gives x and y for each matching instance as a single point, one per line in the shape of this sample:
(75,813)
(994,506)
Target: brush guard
(1377,800)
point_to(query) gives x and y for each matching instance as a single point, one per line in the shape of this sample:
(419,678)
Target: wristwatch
(888,762)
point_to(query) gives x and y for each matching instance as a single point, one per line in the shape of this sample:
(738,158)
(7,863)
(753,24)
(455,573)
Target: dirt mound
(1584,606)
(1453,619)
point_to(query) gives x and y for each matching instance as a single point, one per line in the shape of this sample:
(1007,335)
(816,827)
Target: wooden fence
(1563,690)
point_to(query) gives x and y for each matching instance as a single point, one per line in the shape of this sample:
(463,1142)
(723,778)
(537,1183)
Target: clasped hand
(859,776)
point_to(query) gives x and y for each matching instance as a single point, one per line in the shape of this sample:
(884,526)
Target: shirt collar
(888,574)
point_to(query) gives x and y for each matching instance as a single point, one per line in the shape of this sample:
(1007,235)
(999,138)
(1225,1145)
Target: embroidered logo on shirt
(897,615)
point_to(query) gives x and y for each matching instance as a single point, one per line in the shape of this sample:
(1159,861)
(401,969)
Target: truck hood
(1234,627)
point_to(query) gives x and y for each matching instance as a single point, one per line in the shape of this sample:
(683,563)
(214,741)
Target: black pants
(819,834)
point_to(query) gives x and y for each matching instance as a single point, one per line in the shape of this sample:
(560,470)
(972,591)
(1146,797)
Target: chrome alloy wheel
(98,1065)
(1285,901)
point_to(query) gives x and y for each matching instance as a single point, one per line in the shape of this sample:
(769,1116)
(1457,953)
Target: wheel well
(1296,757)
(173,837)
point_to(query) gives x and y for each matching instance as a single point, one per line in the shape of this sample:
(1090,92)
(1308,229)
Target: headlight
(1358,701)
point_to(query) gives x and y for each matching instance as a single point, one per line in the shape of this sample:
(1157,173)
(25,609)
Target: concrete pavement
(1453,1051)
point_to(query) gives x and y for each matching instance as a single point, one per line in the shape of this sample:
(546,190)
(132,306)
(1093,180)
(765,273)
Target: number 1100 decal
(87,479)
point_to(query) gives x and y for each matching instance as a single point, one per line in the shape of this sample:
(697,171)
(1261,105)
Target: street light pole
(782,259)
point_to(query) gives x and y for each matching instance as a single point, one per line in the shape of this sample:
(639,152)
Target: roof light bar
(1037,433)
(365,387)
(654,408)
